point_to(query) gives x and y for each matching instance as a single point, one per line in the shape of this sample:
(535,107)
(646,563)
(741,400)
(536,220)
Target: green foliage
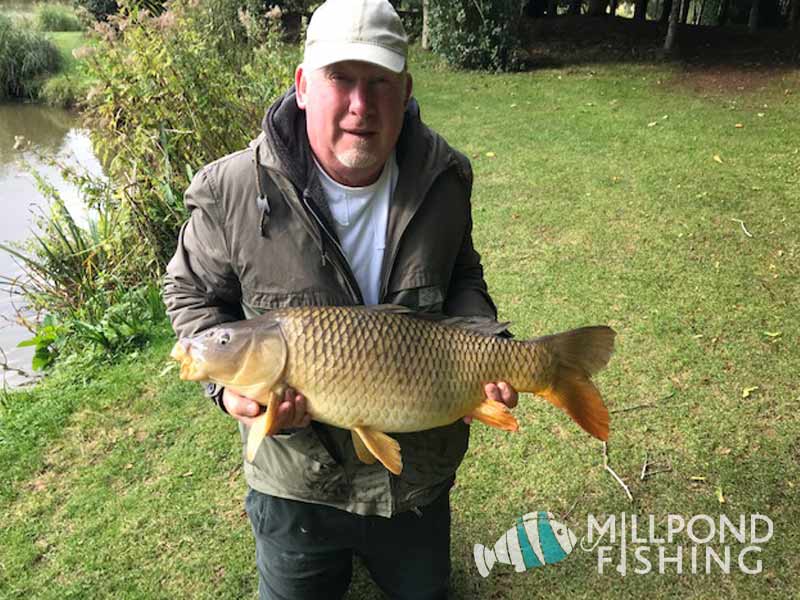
(173,94)
(476,34)
(25,57)
(64,91)
(57,17)
(170,93)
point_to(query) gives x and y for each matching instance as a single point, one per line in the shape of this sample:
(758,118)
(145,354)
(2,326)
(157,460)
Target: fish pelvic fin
(263,425)
(495,414)
(383,447)
(362,452)
(580,353)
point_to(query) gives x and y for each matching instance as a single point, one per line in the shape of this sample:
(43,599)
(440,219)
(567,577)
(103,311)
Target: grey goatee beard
(358,157)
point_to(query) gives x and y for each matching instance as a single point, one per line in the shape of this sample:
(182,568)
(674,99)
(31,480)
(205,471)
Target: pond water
(53,132)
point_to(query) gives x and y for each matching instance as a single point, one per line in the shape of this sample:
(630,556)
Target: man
(345,198)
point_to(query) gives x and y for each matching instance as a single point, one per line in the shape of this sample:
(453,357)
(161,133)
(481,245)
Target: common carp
(384,369)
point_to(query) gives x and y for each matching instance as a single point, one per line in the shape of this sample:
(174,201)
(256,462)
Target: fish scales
(394,372)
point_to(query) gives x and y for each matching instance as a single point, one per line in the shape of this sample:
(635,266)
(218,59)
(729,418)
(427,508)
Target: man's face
(354,113)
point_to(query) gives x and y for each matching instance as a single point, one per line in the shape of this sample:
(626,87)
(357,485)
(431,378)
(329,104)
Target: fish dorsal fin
(362,452)
(484,325)
(386,449)
(390,308)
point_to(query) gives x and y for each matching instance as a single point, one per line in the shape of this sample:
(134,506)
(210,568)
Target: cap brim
(323,54)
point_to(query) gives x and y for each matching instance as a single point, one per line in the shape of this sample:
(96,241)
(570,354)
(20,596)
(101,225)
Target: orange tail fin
(580,353)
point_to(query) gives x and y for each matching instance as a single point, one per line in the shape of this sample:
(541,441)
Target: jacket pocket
(421,291)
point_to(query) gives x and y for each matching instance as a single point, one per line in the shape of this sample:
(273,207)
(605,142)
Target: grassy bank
(639,196)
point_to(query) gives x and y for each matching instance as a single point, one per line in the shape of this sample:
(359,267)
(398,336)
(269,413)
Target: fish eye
(224,338)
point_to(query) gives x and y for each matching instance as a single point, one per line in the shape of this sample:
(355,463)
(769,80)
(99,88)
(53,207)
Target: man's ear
(300,86)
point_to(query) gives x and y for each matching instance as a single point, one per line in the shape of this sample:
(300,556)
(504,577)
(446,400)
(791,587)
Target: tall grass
(25,57)
(57,17)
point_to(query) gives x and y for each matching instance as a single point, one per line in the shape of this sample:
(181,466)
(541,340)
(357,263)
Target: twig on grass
(644,405)
(608,468)
(648,472)
(740,222)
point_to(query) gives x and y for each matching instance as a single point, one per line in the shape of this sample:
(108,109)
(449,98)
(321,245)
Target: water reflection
(54,133)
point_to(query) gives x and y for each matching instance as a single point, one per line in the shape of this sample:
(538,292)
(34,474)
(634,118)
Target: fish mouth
(190,366)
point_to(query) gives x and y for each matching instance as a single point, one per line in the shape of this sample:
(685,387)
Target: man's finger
(492,392)
(508,394)
(299,410)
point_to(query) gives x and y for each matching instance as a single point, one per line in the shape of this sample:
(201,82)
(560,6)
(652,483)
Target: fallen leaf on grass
(773,334)
(748,390)
(652,124)
(720,496)
(188,474)
(699,478)
(718,158)
(490,155)
(739,126)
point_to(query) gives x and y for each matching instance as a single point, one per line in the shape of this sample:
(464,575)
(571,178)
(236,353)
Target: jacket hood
(284,144)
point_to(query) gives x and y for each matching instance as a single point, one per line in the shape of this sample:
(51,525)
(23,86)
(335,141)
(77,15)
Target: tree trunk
(672,30)
(597,8)
(794,16)
(613,8)
(665,11)
(699,20)
(640,10)
(425,38)
(724,10)
(752,23)
(685,10)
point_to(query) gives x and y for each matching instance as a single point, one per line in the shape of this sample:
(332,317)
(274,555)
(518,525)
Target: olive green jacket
(259,236)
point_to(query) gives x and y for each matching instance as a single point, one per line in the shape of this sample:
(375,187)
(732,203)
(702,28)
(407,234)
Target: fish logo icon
(536,539)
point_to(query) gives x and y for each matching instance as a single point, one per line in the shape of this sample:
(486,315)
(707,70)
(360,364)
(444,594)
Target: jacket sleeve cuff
(215,392)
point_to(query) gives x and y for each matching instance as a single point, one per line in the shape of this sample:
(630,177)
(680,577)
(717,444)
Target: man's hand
(291,411)
(501,392)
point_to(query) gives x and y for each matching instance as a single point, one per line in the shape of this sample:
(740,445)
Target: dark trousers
(305,551)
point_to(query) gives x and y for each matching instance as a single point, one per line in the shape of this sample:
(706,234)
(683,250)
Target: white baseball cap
(365,30)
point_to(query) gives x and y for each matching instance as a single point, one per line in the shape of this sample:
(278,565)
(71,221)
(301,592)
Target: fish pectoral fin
(496,414)
(272,413)
(362,452)
(263,425)
(386,449)
(258,429)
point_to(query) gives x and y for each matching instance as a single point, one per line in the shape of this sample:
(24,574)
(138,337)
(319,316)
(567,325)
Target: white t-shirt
(360,216)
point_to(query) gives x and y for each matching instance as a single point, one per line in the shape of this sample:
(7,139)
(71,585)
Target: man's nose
(360,99)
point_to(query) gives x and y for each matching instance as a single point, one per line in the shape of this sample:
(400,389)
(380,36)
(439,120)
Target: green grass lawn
(603,194)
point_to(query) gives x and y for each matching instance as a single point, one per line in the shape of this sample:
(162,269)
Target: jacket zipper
(346,273)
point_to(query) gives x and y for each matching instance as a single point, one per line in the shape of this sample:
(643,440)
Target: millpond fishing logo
(629,544)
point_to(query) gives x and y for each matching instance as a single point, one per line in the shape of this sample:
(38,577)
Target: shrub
(64,91)
(57,17)
(476,34)
(25,57)
(100,9)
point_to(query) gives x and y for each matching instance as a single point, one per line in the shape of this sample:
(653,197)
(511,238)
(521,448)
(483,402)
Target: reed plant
(26,56)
